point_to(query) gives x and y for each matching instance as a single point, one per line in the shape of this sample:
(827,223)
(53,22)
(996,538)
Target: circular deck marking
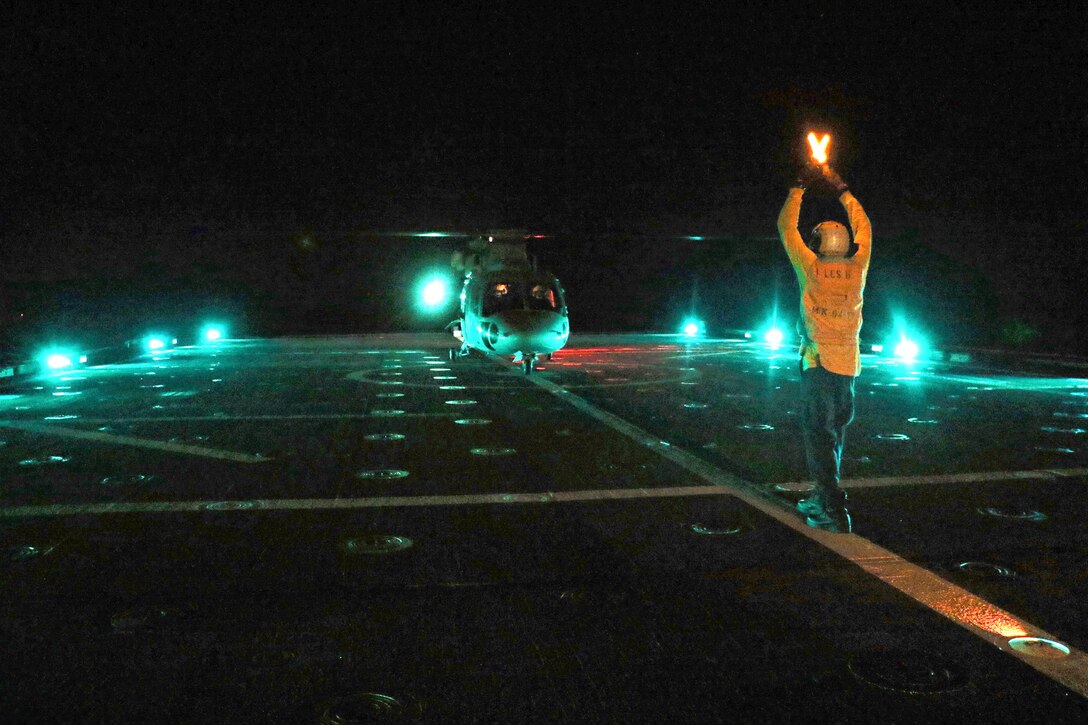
(911,672)
(190,439)
(25,552)
(755,426)
(1039,647)
(386,413)
(460,402)
(384,437)
(376,544)
(383,473)
(985,569)
(445,377)
(473,421)
(716,529)
(493,451)
(126,480)
(573,596)
(1017,514)
(389,395)
(60,417)
(44,461)
(695,406)
(892,437)
(451,387)
(795,487)
(369,707)
(132,619)
(229,506)
(922,421)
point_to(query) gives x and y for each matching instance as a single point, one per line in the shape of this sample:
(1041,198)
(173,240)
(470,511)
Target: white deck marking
(982,477)
(213,418)
(978,616)
(311,504)
(121,440)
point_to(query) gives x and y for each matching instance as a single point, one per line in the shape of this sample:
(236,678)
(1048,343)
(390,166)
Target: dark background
(165,164)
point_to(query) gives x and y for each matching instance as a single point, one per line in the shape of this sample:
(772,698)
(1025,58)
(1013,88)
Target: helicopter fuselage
(513,311)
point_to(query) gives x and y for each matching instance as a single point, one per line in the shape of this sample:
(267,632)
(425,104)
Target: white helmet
(830,239)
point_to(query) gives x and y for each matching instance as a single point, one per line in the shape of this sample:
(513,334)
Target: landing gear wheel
(527,365)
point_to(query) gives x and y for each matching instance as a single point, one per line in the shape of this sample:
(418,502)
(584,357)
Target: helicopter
(508,306)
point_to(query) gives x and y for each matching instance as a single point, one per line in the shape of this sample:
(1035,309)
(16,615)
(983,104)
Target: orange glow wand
(819,147)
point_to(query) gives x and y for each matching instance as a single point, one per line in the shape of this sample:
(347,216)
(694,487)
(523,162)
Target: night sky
(199,158)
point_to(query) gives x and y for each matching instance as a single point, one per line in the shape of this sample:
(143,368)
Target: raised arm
(859,220)
(799,254)
(787,227)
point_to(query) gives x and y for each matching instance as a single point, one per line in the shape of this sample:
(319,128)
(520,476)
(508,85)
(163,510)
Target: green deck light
(906,349)
(693,327)
(57,361)
(434,293)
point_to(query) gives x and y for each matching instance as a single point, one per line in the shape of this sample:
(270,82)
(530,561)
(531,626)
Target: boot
(826,509)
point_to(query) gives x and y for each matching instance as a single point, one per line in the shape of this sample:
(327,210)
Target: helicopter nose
(526,333)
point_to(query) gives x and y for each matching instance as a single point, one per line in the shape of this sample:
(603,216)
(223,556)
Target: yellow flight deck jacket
(831,288)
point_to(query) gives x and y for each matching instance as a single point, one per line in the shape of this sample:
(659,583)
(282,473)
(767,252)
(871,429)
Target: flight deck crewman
(832,281)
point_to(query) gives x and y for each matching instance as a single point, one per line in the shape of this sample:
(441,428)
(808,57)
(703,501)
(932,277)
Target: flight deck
(370,529)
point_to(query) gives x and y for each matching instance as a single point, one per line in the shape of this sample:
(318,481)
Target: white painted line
(978,616)
(1072,472)
(311,504)
(213,418)
(981,477)
(111,439)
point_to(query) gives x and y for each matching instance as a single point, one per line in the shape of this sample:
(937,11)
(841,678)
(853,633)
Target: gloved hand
(832,178)
(807,176)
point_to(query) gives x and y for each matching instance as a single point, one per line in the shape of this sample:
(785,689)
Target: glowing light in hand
(819,147)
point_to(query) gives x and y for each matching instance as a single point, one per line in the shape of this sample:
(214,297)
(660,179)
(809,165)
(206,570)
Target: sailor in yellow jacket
(832,281)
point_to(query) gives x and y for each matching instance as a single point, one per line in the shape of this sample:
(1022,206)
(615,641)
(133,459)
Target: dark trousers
(827,407)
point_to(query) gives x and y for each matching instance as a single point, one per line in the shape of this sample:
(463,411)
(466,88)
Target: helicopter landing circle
(374,377)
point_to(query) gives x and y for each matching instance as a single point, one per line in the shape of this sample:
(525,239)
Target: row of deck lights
(62,359)
(903,349)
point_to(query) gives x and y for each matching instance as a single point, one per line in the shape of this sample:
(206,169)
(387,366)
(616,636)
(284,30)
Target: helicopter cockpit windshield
(519,294)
